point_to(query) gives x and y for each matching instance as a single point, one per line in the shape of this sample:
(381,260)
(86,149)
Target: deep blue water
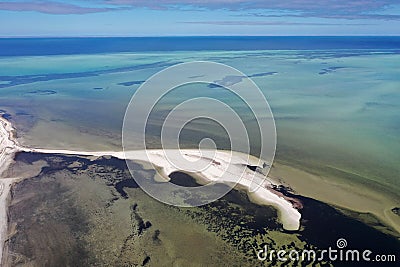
(58,46)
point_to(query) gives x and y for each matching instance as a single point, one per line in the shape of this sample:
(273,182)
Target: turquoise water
(335,110)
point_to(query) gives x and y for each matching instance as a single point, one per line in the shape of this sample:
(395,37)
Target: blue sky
(199,17)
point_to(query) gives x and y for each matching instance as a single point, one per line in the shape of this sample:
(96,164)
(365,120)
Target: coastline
(348,195)
(288,215)
(5,186)
(8,148)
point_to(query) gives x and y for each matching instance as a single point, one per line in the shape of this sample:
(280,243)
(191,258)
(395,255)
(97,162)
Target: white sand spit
(236,161)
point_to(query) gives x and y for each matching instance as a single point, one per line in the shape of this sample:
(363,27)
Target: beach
(7,151)
(288,215)
(5,185)
(213,173)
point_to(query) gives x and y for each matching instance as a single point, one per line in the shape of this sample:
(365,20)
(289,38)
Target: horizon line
(167,36)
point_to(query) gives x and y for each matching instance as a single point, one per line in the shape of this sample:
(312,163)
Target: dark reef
(131,83)
(42,92)
(329,70)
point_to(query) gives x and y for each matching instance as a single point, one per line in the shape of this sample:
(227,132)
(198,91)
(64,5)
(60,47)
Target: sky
(58,18)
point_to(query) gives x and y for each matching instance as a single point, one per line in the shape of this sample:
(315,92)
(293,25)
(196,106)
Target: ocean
(335,99)
(95,45)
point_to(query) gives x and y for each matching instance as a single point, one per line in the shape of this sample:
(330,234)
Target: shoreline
(8,148)
(347,195)
(288,215)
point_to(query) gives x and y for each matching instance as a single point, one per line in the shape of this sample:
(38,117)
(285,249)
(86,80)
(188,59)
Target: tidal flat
(81,211)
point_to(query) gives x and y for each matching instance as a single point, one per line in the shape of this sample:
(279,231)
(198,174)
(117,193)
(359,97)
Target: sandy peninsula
(262,194)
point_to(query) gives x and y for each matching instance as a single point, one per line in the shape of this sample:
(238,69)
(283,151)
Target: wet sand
(345,194)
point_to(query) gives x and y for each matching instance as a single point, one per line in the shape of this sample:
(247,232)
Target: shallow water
(336,110)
